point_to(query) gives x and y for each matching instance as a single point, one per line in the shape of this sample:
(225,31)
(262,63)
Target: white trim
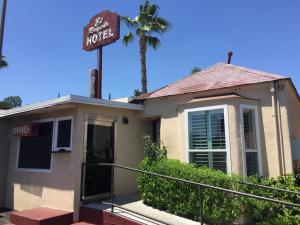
(67,100)
(257,129)
(57,120)
(51,160)
(227,150)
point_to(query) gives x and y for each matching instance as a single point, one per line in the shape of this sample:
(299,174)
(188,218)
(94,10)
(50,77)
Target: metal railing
(200,187)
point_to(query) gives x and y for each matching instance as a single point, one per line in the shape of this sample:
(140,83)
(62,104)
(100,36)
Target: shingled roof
(218,76)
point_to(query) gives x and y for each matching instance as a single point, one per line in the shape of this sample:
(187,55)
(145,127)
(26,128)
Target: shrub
(271,213)
(219,207)
(153,150)
(183,200)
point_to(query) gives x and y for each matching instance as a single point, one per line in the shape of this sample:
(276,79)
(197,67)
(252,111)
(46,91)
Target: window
(250,140)
(156,131)
(63,134)
(207,140)
(52,135)
(35,152)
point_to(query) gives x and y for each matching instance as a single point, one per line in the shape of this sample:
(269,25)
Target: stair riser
(99,217)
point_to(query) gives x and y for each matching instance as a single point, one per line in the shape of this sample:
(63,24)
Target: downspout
(273,90)
(280,128)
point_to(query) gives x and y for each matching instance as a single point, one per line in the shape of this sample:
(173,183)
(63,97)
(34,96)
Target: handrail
(268,187)
(203,185)
(200,187)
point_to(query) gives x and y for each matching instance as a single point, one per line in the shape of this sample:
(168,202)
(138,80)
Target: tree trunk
(143,48)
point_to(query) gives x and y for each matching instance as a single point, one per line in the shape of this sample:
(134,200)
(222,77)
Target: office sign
(24,130)
(103,29)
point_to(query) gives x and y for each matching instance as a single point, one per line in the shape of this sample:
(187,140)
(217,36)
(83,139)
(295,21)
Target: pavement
(4,216)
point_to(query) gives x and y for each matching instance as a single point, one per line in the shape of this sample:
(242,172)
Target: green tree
(3,62)
(195,70)
(13,101)
(136,93)
(144,26)
(4,105)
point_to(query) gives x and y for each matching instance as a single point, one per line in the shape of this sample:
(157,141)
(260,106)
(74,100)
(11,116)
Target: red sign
(24,130)
(103,29)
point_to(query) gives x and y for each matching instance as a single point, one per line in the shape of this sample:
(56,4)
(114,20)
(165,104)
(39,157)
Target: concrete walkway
(134,203)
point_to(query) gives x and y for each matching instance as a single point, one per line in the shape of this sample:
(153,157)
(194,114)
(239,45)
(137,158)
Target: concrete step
(42,216)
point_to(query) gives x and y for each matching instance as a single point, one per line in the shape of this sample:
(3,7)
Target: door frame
(101,118)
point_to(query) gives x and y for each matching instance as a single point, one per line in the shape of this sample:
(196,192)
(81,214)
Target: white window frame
(244,150)
(57,119)
(227,150)
(19,145)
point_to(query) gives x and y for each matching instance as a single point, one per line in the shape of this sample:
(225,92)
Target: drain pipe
(277,86)
(273,90)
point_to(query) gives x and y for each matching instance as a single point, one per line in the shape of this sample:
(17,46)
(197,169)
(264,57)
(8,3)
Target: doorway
(99,149)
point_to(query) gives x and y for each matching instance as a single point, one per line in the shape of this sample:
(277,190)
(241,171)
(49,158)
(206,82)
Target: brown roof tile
(218,76)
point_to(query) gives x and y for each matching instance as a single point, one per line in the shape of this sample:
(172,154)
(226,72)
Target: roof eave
(67,100)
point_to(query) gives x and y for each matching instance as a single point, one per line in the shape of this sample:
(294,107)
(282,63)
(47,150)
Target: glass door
(99,149)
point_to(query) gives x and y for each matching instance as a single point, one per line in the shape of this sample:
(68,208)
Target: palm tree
(3,62)
(195,70)
(145,25)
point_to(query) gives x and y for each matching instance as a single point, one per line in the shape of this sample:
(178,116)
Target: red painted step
(91,215)
(83,223)
(102,217)
(42,216)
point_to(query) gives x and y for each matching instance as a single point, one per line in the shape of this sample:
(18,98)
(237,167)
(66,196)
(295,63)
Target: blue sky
(43,44)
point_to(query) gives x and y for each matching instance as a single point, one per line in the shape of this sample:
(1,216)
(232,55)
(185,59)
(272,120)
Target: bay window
(208,137)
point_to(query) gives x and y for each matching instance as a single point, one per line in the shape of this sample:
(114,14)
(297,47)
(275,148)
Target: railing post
(112,187)
(201,203)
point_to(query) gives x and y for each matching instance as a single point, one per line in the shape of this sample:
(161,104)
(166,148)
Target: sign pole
(2,24)
(99,85)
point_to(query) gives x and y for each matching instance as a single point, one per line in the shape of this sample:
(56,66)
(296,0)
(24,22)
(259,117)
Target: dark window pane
(217,128)
(214,160)
(251,163)
(219,161)
(249,129)
(35,152)
(198,130)
(64,133)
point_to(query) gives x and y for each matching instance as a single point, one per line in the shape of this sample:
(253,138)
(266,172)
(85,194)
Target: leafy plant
(219,207)
(152,150)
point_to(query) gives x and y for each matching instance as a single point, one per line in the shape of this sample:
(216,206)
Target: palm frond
(3,62)
(131,23)
(153,10)
(154,42)
(129,37)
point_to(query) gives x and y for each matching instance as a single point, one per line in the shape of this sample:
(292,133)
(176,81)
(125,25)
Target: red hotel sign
(103,29)
(24,130)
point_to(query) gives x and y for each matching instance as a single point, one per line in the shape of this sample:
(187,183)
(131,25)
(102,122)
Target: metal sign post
(103,29)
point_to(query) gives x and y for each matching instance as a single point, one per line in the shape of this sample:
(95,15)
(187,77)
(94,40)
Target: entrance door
(99,149)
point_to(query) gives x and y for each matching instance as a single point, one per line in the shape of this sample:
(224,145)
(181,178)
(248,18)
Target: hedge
(219,207)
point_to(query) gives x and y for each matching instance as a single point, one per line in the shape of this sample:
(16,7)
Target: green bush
(153,150)
(183,200)
(219,207)
(271,213)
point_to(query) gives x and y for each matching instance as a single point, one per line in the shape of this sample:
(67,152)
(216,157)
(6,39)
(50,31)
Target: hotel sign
(103,29)
(24,130)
